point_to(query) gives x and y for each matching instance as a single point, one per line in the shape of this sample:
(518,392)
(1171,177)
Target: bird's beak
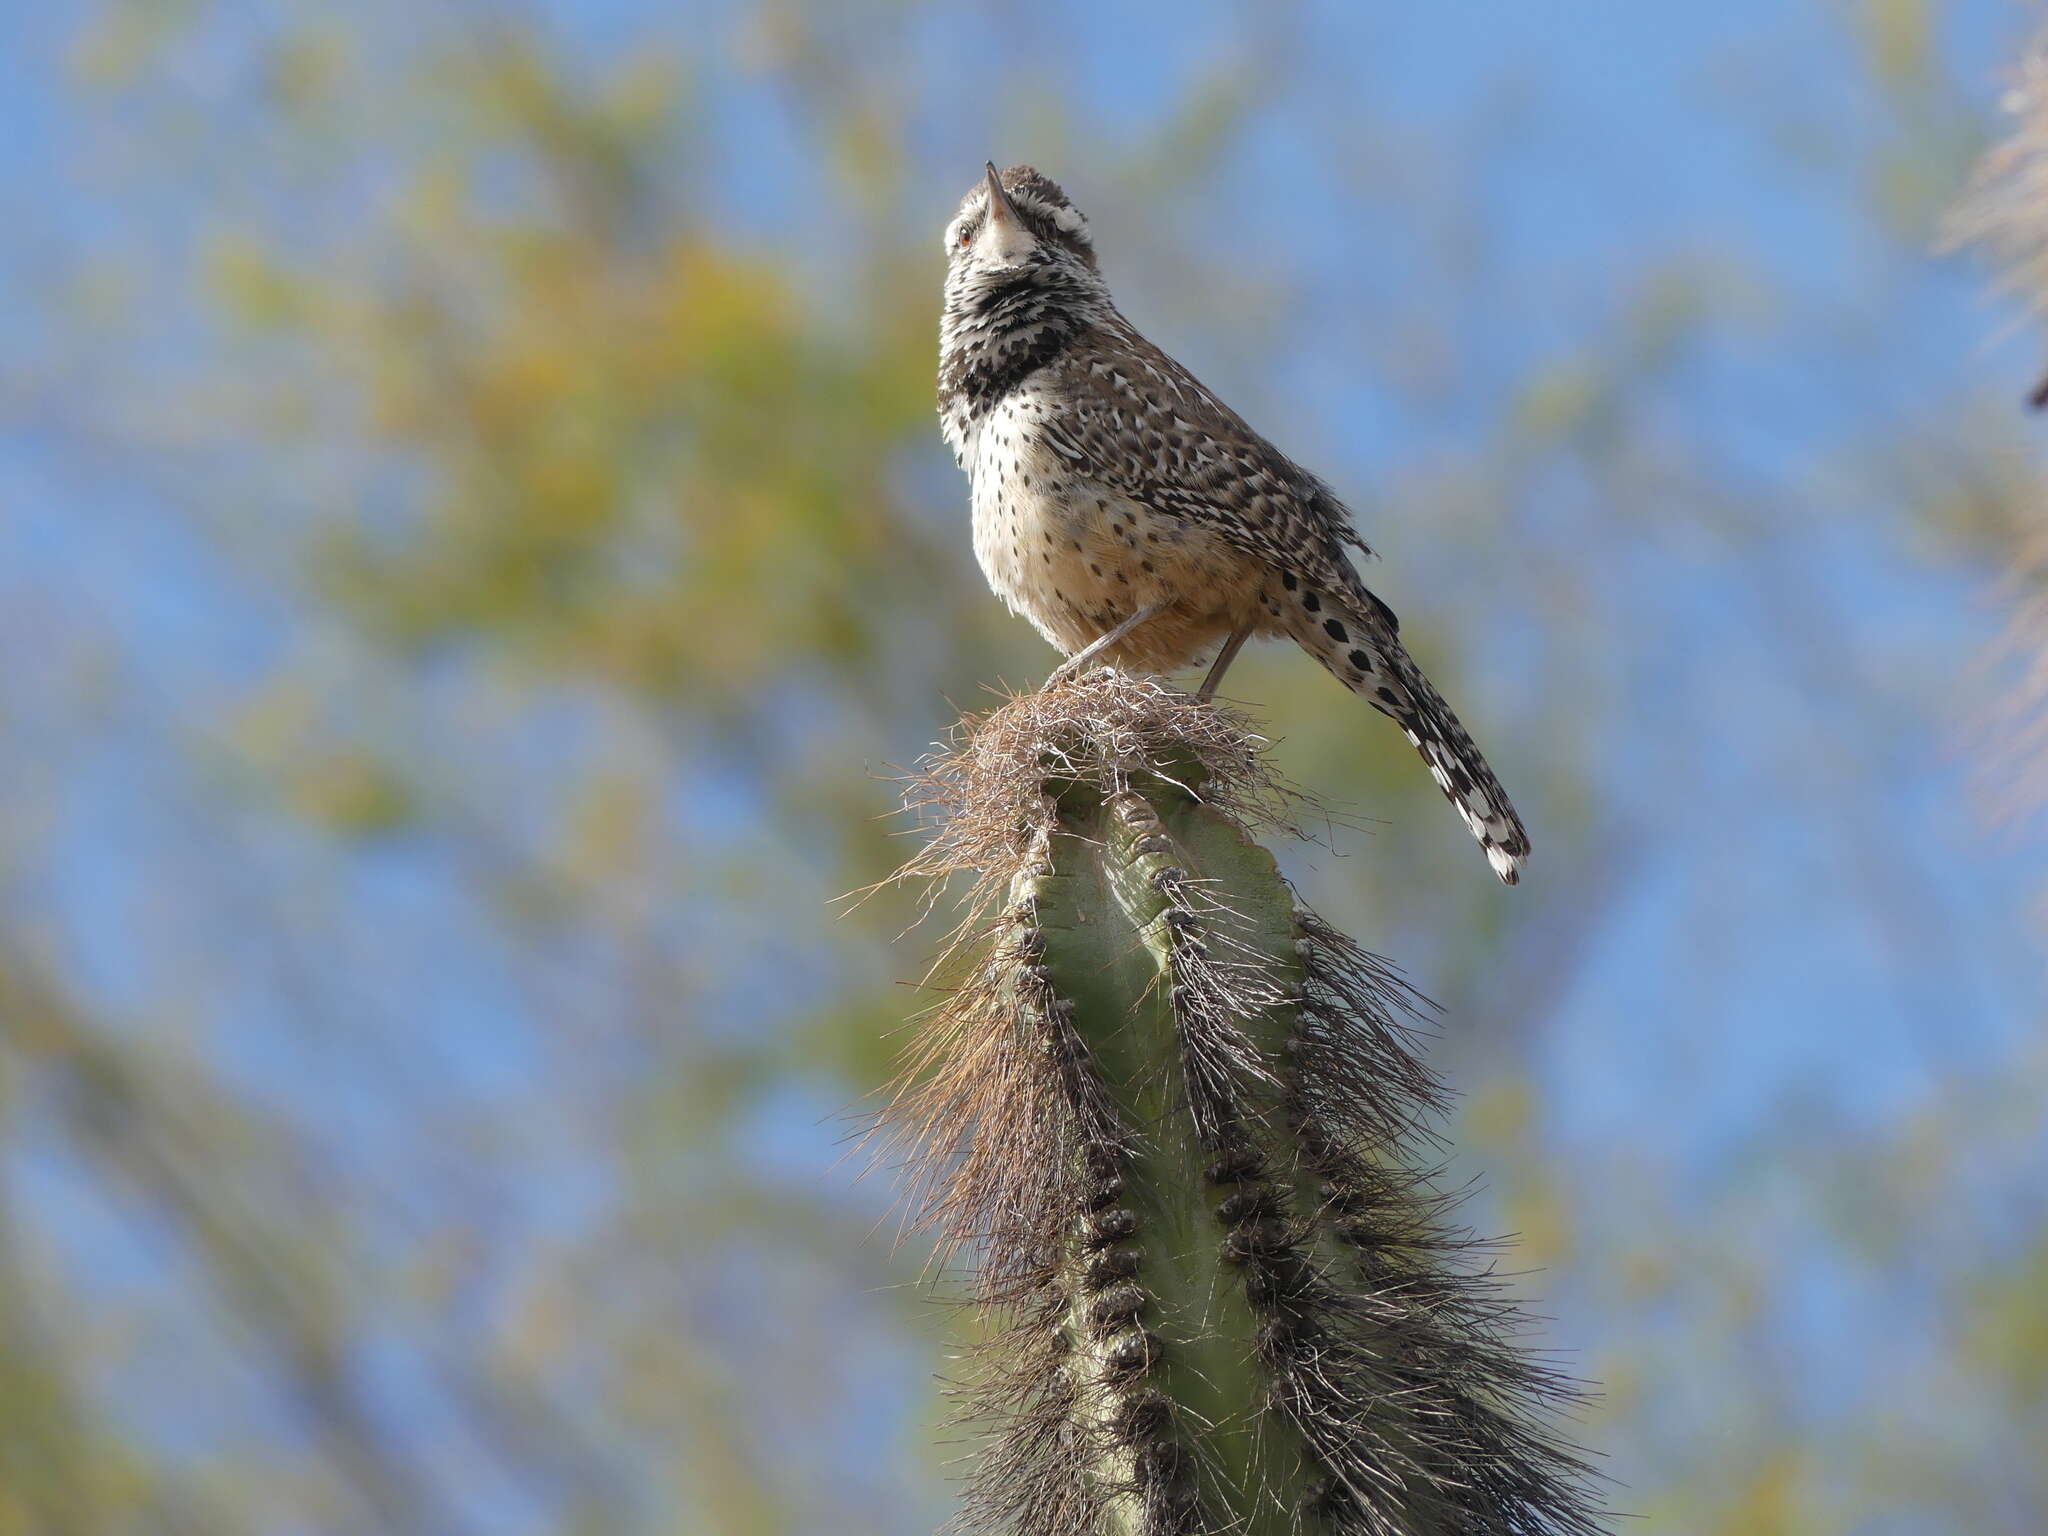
(1004,240)
(1000,208)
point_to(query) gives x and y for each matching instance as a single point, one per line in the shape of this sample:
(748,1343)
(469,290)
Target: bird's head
(1016,225)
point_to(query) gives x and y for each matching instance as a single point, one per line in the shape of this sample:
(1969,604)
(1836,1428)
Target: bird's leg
(1222,662)
(1074,663)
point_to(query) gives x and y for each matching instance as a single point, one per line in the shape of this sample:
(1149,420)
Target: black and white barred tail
(1364,652)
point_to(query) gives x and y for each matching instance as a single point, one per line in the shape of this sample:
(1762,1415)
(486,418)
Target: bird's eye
(966,237)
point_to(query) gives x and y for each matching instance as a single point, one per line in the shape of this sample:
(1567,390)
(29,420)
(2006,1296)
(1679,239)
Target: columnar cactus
(1172,1118)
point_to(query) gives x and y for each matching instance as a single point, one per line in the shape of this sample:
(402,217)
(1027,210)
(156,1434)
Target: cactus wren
(1131,515)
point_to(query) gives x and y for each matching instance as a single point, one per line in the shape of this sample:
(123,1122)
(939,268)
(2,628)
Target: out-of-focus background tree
(475,548)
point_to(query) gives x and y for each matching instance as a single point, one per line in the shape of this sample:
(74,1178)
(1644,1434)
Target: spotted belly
(1077,559)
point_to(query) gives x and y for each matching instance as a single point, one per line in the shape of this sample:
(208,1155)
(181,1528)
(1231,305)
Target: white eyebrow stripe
(1068,218)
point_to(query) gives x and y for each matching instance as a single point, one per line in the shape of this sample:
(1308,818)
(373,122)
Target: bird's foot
(1071,670)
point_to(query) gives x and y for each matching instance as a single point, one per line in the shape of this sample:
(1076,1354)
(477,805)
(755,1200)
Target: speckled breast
(1076,558)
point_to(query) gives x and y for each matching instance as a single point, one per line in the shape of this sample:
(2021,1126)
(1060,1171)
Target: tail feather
(1354,637)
